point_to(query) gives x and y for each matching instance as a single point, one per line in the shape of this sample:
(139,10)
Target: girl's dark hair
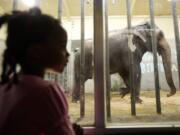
(24,30)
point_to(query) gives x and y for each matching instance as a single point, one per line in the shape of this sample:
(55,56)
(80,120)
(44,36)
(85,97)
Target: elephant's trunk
(165,51)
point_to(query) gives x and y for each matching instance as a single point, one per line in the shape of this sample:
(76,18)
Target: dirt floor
(121,110)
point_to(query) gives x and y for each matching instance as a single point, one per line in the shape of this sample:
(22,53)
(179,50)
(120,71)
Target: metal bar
(99,89)
(15,4)
(139,129)
(108,77)
(176,32)
(61,76)
(131,78)
(59,10)
(155,60)
(82,63)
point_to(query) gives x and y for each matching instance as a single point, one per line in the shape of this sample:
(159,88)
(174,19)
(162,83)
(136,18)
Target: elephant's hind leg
(137,81)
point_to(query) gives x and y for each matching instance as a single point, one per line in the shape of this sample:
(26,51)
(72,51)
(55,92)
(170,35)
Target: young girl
(30,105)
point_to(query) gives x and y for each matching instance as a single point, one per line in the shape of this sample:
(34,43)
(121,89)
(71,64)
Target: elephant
(118,58)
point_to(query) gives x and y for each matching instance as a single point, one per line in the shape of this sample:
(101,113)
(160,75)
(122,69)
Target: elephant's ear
(139,34)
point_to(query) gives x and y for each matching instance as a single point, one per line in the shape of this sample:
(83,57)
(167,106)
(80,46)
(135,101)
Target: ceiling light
(29,3)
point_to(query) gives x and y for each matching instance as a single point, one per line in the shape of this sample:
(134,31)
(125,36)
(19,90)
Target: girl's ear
(41,55)
(36,54)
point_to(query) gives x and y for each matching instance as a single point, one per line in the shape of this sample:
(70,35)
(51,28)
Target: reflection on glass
(117,20)
(146,111)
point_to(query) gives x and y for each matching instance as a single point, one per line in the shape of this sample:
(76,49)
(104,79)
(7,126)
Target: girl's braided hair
(24,30)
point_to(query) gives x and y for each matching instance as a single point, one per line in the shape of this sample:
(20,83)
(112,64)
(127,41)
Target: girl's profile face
(50,56)
(57,52)
(61,58)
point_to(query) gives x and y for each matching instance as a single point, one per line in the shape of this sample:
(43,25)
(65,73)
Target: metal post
(155,60)
(15,4)
(82,63)
(131,78)
(99,78)
(61,76)
(59,10)
(108,79)
(176,32)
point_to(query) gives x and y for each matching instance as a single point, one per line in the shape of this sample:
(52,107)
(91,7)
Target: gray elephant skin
(119,58)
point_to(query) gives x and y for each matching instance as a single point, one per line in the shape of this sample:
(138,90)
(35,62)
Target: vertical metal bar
(59,10)
(176,32)
(99,89)
(108,79)
(155,60)
(131,78)
(15,4)
(82,63)
(61,76)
